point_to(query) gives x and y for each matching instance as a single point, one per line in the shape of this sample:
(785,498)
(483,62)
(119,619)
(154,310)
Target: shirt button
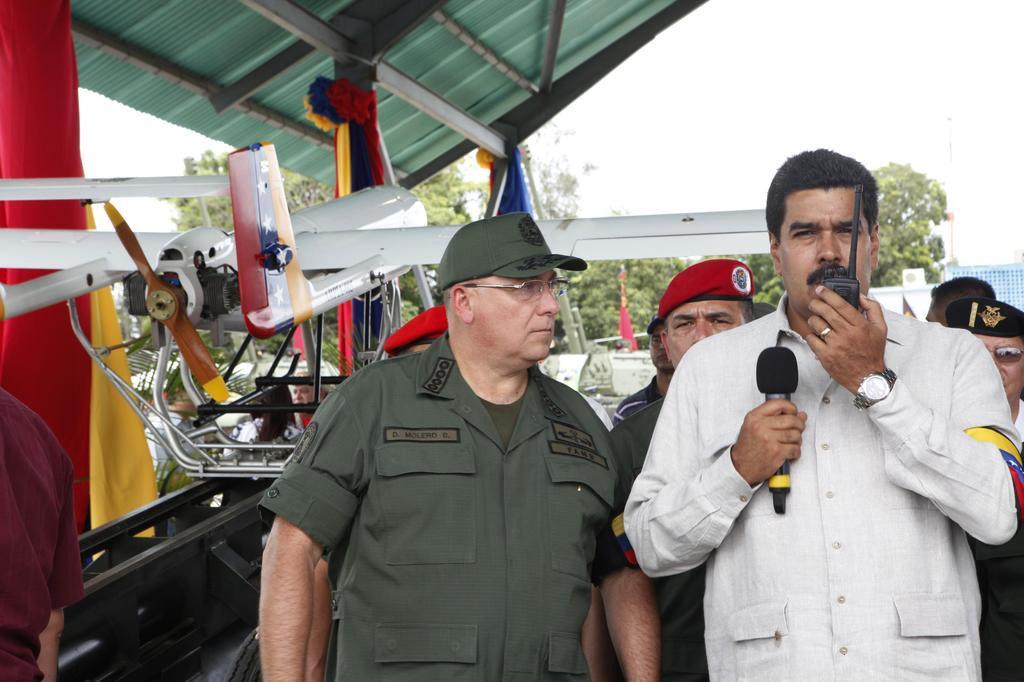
(826,400)
(836,545)
(841,599)
(824,446)
(830,494)
(273,492)
(843,650)
(743,498)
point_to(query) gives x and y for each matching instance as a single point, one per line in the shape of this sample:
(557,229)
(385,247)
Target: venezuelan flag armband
(1011,455)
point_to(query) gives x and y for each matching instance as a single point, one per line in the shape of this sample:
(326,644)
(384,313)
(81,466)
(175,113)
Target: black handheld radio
(849,287)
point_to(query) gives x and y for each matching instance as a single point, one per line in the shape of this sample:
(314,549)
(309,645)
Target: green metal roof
(175,59)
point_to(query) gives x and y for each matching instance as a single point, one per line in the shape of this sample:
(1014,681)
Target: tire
(246,666)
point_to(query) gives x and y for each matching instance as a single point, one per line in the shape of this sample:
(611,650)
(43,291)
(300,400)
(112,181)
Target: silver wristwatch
(874,388)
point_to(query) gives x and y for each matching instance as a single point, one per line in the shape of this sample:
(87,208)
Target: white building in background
(912,298)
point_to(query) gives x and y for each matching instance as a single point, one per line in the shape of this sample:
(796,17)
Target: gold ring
(824,332)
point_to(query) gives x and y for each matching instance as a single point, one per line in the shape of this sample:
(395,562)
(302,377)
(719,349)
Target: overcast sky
(701,118)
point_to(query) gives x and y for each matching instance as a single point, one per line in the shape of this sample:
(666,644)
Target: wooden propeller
(166,305)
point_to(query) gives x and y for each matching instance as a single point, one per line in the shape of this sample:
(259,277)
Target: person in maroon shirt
(40,568)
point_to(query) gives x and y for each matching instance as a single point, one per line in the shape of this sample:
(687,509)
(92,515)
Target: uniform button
(841,599)
(465,409)
(777,636)
(273,492)
(743,498)
(830,494)
(824,446)
(843,650)
(836,545)
(334,603)
(455,646)
(826,400)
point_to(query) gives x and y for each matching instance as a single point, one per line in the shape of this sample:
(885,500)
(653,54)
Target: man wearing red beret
(416,334)
(704,299)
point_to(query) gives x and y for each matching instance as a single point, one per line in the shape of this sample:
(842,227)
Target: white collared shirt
(868,575)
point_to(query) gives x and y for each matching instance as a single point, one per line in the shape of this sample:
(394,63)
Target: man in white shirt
(868,574)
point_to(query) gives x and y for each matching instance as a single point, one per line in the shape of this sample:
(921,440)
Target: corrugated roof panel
(592,25)
(154,95)
(517,32)
(221,41)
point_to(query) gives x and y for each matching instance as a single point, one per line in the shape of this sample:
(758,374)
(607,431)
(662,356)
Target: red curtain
(41,363)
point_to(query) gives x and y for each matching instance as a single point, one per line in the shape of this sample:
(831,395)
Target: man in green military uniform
(457,493)
(1000,327)
(707,298)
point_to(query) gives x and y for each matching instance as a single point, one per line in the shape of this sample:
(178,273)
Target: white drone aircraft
(275,272)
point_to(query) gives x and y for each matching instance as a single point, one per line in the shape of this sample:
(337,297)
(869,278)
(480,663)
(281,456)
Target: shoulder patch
(534,262)
(559,448)
(570,434)
(529,231)
(549,404)
(305,441)
(402,434)
(439,375)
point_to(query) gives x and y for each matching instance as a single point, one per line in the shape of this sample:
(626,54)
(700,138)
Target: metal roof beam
(489,55)
(400,23)
(386,33)
(526,118)
(326,38)
(306,26)
(256,79)
(429,102)
(188,80)
(547,71)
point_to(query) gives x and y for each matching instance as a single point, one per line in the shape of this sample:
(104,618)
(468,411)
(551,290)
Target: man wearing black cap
(457,493)
(868,575)
(952,289)
(663,369)
(1000,327)
(707,298)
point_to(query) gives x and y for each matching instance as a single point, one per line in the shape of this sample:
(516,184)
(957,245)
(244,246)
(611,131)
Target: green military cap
(985,316)
(509,245)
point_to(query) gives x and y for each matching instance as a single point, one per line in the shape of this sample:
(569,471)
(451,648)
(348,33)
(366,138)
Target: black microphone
(777,378)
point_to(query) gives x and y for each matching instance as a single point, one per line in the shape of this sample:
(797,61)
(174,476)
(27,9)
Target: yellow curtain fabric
(121,474)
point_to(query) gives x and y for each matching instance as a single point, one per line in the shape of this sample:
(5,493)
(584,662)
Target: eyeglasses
(1007,355)
(529,290)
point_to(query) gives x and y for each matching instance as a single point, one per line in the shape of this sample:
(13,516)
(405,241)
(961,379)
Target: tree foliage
(450,198)
(595,291)
(910,206)
(554,185)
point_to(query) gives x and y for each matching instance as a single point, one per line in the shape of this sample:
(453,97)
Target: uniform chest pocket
(428,499)
(580,499)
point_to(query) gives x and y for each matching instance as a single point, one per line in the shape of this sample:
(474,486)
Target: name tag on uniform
(560,448)
(402,434)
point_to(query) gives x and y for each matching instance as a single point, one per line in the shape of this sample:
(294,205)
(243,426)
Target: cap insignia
(991,316)
(529,231)
(534,262)
(741,280)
